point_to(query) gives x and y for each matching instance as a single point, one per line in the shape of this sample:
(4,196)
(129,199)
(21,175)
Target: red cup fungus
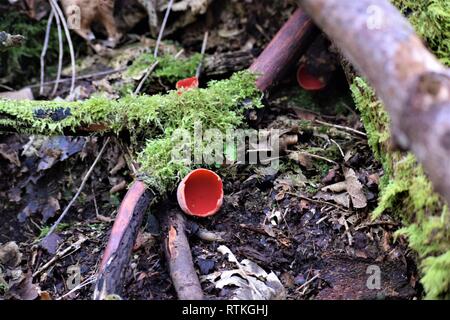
(186,84)
(308,81)
(200,193)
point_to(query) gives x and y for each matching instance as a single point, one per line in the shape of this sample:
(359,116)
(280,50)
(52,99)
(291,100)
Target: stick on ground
(179,256)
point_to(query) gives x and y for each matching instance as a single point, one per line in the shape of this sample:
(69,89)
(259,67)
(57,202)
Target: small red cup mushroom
(186,84)
(309,81)
(200,193)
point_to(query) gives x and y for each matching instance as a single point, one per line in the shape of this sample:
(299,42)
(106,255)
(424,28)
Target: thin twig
(315,156)
(150,70)
(44,50)
(202,52)
(74,246)
(339,147)
(308,282)
(83,77)
(88,281)
(341,127)
(155,52)
(56,7)
(163,26)
(147,74)
(66,210)
(60,56)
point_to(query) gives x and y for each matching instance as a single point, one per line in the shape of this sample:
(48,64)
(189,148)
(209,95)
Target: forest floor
(301,222)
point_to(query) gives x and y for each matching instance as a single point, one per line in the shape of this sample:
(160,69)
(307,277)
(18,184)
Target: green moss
(149,118)
(169,68)
(405,190)
(431,19)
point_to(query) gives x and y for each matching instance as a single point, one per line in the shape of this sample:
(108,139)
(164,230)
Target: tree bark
(284,50)
(117,254)
(410,81)
(179,256)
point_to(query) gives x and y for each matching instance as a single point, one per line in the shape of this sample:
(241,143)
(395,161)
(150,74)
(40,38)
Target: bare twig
(83,77)
(307,282)
(44,50)
(66,210)
(155,52)
(149,72)
(74,247)
(145,77)
(60,55)
(88,281)
(202,52)
(58,10)
(163,26)
(342,128)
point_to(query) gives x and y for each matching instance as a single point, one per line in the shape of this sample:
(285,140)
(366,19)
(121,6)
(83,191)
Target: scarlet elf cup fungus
(200,193)
(308,81)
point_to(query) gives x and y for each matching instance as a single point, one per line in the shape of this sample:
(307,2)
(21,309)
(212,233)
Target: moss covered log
(151,119)
(405,191)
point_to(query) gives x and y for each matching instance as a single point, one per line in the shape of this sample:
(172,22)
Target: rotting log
(411,82)
(284,50)
(121,241)
(179,256)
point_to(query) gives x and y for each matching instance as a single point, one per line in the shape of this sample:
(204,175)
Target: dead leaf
(10,255)
(336,187)
(355,189)
(25,289)
(252,281)
(9,154)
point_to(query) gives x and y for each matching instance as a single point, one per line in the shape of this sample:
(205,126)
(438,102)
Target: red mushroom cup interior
(188,83)
(307,81)
(201,193)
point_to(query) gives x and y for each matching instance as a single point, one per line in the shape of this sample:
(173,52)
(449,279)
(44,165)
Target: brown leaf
(354,188)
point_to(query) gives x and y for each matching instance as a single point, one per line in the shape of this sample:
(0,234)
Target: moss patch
(150,118)
(169,68)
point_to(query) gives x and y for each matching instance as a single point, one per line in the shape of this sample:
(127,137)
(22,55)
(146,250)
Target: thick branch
(179,257)
(123,235)
(284,50)
(411,82)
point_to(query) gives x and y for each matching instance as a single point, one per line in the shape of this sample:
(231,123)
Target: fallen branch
(179,256)
(120,245)
(284,50)
(410,81)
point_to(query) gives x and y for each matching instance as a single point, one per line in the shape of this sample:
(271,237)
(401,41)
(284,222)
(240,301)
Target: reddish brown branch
(285,49)
(123,236)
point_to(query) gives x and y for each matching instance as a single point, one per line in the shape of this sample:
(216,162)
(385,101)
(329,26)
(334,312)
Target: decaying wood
(284,50)
(410,81)
(10,41)
(226,63)
(117,254)
(179,256)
